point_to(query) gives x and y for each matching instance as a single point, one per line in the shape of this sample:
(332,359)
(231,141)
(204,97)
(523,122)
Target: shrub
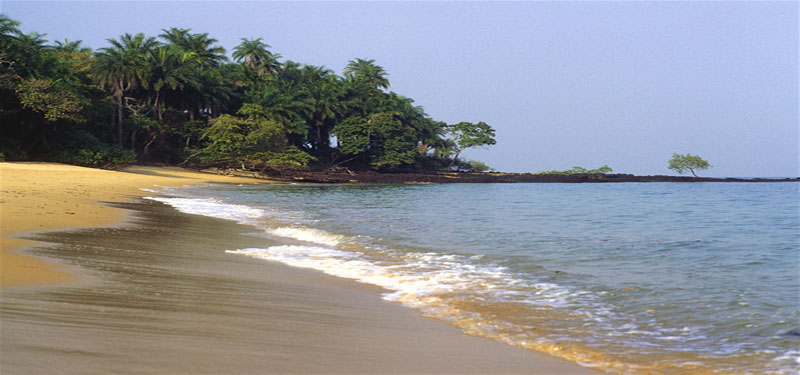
(108,157)
(83,148)
(581,170)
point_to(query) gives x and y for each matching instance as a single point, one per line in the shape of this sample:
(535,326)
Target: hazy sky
(563,83)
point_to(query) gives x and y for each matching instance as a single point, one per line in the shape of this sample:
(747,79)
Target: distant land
(344,176)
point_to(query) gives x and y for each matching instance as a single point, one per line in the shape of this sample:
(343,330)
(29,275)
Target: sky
(564,84)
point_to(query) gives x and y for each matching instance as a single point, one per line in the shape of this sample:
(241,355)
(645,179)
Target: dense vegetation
(581,170)
(176,98)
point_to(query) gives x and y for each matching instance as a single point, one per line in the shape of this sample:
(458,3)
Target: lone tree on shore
(682,163)
(467,134)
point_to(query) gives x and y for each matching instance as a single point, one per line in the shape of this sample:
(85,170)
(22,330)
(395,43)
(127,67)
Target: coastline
(344,176)
(168,306)
(48,196)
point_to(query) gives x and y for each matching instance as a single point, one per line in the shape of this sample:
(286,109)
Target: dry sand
(157,294)
(46,196)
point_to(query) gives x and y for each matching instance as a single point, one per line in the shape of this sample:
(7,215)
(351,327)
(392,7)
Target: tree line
(177,98)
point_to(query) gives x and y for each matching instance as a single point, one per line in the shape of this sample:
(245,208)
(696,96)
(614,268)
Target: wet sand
(156,293)
(46,196)
(162,296)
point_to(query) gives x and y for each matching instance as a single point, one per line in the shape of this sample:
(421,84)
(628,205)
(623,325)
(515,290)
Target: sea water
(629,278)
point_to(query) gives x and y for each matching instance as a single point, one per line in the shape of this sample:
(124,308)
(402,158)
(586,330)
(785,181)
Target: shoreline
(49,196)
(340,176)
(167,306)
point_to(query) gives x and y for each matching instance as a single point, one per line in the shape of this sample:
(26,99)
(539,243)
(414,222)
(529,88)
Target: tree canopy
(682,163)
(177,98)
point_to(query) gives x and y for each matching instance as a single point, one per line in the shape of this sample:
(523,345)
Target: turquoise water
(628,278)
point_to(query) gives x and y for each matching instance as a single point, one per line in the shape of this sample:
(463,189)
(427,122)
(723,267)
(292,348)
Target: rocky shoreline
(337,177)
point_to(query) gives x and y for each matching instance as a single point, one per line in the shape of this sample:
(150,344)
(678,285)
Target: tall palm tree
(367,71)
(70,47)
(255,54)
(200,44)
(121,68)
(137,43)
(9,31)
(325,91)
(170,67)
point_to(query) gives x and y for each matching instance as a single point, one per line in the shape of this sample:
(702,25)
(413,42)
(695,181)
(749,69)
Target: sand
(47,196)
(138,287)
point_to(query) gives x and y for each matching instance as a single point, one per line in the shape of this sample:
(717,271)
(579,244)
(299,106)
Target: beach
(44,196)
(135,286)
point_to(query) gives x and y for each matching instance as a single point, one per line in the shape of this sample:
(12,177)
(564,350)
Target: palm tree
(71,47)
(9,31)
(363,70)
(199,44)
(170,67)
(122,68)
(255,54)
(326,92)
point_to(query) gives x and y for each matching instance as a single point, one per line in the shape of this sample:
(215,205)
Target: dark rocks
(371,177)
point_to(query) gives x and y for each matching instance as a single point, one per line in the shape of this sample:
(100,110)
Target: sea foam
(213,208)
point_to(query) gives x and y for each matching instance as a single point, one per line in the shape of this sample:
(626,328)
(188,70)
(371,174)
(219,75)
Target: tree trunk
(454,159)
(158,105)
(44,139)
(318,145)
(112,126)
(119,120)
(693,174)
(133,139)
(146,150)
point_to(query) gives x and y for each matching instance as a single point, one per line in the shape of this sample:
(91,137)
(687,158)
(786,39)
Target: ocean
(628,278)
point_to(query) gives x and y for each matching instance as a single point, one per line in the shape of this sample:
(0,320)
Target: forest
(178,99)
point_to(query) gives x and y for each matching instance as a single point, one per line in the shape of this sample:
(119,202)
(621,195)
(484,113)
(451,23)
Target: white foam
(418,280)
(213,208)
(316,236)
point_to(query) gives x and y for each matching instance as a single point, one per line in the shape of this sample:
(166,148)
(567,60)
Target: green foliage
(109,157)
(82,148)
(580,170)
(465,135)
(177,96)
(255,54)
(291,157)
(367,72)
(382,139)
(54,103)
(471,166)
(682,163)
(236,139)
(354,136)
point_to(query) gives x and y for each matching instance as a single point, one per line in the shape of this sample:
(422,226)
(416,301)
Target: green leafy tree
(233,138)
(467,134)
(682,163)
(383,140)
(53,103)
(581,170)
(477,166)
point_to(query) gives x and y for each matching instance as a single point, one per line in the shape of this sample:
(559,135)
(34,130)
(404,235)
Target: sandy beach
(137,287)
(45,196)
